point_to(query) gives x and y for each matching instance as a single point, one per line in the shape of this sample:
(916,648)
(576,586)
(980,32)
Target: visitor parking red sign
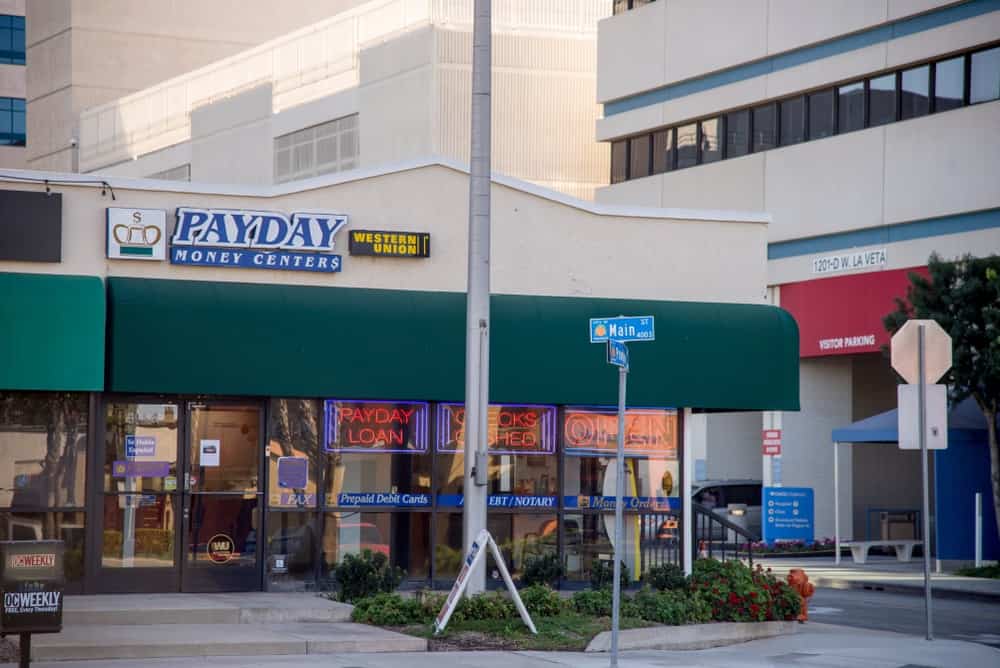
(771,443)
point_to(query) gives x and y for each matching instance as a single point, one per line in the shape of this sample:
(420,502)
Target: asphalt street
(971,620)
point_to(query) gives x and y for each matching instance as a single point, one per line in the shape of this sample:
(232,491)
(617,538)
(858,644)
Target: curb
(692,636)
(908,589)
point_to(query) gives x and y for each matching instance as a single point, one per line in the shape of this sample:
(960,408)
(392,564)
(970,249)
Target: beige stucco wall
(411,94)
(922,168)
(615,65)
(673,40)
(540,246)
(86,52)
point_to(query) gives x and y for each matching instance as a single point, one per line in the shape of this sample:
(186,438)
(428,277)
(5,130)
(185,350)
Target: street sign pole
(922,412)
(616,591)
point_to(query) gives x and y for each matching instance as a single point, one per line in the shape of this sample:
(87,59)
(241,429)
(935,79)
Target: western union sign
(385,243)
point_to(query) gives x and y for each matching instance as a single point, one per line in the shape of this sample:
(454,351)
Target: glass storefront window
(523,466)
(649,539)
(404,537)
(139,531)
(520,537)
(140,449)
(43,443)
(292,543)
(293,453)
(448,551)
(68,527)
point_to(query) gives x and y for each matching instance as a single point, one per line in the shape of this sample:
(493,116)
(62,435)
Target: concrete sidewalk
(814,645)
(884,574)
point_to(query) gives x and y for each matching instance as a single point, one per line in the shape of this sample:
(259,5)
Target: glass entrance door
(222,504)
(139,500)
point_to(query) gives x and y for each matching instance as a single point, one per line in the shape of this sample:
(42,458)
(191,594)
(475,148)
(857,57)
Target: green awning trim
(51,332)
(279,340)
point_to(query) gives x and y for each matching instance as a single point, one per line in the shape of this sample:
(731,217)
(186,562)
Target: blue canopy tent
(959,472)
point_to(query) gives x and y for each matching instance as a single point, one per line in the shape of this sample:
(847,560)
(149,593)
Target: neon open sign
(511,429)
(595,430)
(375,426)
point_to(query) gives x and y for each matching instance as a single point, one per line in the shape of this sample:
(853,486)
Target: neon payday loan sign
(376,426)
(256,239)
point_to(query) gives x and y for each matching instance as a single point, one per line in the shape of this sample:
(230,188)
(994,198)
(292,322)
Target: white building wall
(922,168)
(806,448)
(405,69)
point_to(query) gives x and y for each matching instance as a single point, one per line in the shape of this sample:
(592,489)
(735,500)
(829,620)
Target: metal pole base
(25,650)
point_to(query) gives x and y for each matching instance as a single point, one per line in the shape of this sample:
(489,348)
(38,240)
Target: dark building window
(687,146)
(882,100)
(850,107)
(765,127)
(12,131)
(985,77)
(915,92)
(12,40)
(621,6)
(821,114)
(949,84)
(793,121)
(710,133)
(638,157)
(619,161)
(737,133)
(903,94)
(663,151)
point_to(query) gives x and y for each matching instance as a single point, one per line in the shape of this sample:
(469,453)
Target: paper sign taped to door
(210,452)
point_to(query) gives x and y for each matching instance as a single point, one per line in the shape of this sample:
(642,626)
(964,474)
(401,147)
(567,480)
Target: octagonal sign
(937,351)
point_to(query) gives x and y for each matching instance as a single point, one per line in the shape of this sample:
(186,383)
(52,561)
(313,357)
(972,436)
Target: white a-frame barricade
(472,559)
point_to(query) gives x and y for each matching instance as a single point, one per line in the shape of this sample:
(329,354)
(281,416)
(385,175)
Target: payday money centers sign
(302,241)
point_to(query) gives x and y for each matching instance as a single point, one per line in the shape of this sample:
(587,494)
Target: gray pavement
(814,645)
(975,620)
(883,574)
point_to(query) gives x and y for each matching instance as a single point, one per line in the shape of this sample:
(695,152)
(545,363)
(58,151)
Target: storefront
(202,428)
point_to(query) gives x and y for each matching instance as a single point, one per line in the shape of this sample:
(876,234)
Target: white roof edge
(326,180)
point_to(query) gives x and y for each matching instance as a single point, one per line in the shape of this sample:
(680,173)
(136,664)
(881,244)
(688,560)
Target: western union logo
(386,243)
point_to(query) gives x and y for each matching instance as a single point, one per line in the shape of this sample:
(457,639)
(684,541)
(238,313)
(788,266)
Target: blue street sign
(788,514)
(618,354)
(636,328)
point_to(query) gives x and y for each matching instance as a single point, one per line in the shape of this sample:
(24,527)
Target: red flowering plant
(737,593)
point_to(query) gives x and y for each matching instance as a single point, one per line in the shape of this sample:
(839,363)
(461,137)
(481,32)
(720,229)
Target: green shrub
(485,606)
(363,575)
(602,575)
(666,576)
(386,609)
(541,601)
(543,569)
(737,593)
(595,603)
(672,606)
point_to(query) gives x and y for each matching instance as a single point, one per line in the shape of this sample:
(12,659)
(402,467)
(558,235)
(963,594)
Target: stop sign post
(921,354)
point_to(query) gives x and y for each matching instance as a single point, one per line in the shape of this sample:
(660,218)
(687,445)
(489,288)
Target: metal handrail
(726,541)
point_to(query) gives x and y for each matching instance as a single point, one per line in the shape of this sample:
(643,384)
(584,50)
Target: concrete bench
(859,548)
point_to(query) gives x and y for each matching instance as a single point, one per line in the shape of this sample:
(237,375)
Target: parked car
(737,501)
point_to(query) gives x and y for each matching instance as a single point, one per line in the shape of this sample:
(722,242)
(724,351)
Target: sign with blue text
(140,446)
(303,241)
(788,514)
(618,354)
(635,328)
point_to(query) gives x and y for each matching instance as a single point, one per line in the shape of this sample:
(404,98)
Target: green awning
(280,340)
(51,332)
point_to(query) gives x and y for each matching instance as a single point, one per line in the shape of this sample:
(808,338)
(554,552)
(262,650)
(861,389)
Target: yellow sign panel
(386,243)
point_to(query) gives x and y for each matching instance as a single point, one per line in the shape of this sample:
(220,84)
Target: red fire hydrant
(799,581)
